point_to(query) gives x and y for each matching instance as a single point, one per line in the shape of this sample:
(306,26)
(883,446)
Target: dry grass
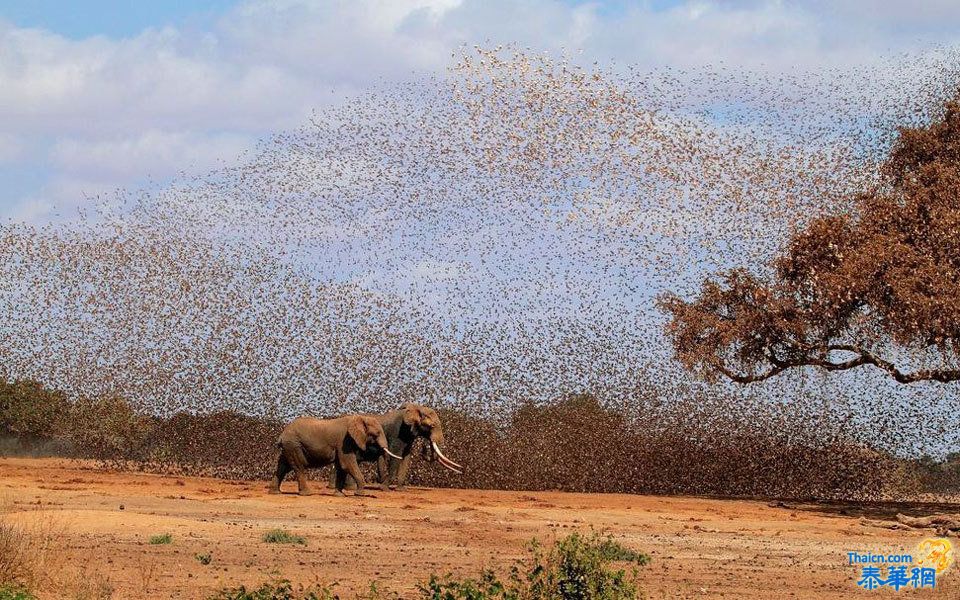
(148,576)
(32,556)
(85,585)
(15,564)
(28,552)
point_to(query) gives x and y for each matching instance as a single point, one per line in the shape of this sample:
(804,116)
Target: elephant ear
(372,426)
(411,414)
(358,431)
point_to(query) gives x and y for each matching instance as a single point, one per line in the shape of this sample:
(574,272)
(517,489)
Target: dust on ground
(701,547)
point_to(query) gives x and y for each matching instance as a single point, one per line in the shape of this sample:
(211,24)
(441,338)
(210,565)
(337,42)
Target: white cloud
(162,153)
(58,199)
(11,147)
(116,110)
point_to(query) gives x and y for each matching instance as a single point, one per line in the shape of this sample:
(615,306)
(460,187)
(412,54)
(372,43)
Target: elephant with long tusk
(403,427)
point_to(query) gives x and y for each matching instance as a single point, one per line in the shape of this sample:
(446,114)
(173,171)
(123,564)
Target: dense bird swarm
(493,243)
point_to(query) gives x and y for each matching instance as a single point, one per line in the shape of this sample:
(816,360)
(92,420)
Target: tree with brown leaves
(877,286)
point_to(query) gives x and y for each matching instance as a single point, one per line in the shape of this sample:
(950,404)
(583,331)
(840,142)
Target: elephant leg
(351,483)
(392,466)
(348,484)
(302,485)
(349,464)
(298,460)
(402,469)
(283,467)
(383,473)
(339,479)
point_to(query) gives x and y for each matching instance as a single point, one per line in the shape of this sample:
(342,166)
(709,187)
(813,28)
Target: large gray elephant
(308,442)
(403,427)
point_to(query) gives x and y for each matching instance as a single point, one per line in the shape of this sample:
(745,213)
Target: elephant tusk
(387,450)
(446,461)
(457,471)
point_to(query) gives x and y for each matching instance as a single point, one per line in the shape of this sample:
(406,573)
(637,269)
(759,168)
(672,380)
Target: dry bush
(36,420)
(576,566)
(579,445)
(694,445)
(80,584)
(31,553)
(221,444)
(32,556)
(15,560)
(31,416)
(107,428)
(147,570)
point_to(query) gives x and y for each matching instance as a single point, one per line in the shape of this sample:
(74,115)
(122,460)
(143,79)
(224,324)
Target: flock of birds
(480,241)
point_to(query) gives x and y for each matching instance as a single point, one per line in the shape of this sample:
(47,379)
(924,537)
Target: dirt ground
(700,547)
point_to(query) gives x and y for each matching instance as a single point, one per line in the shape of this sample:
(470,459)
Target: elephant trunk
(436,436)
(382,441)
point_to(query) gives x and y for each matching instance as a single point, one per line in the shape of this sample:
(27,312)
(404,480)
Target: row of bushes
(577,567)
(575,444)
(38,420)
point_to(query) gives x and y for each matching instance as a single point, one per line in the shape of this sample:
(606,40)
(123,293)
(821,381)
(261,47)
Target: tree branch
(737,378)
(863,357)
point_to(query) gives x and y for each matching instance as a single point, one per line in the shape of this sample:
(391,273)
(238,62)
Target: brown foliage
(221,444)
(30,553)
(30,411)
(848,288)
(715,449)
(107,428)
(715,446)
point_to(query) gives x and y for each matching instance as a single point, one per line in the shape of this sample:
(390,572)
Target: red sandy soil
(701,547)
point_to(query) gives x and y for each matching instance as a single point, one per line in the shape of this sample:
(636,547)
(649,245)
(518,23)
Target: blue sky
(123,19)
(111,18)
(108,95)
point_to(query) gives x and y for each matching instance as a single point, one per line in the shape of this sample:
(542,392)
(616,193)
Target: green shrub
(611,550)
(282,536)
(575,568)
(205,559)
(15,592)
(276,590)
(488,586)
(375,593)
(164,538)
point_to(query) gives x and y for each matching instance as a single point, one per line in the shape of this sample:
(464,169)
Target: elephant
(402,428)
(309,442)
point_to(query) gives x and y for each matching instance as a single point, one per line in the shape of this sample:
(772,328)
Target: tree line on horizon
(573,444)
